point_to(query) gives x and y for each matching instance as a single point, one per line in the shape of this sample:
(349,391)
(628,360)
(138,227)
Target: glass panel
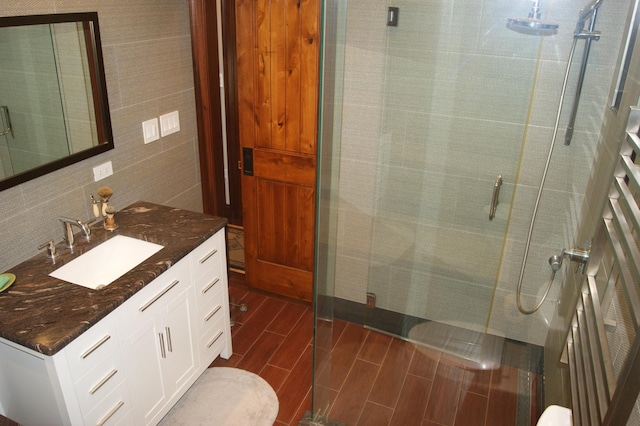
(424,117)
(448,117)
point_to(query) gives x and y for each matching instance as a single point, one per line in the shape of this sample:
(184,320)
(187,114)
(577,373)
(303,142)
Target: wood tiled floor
(370,378)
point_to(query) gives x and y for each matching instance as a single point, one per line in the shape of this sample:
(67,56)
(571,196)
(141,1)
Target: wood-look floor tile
(261,352)
(472,409)
(296,342)
(302,409)
(375,347)
(375,415)
(445,394)
(274,376)
(253,301)
(412,402)
(503,397)
(256,324)
(342,356)
(284,322)
(392,373)
(477,381)
(295,387)
(425,362)
(338,328)
(353,395)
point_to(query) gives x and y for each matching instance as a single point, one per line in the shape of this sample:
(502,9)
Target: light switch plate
(169,123)
(150,130)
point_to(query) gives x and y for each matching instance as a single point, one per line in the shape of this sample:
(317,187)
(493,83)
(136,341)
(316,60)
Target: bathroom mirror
(53,99)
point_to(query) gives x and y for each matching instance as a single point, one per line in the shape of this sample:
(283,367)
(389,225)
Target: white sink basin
(107,262)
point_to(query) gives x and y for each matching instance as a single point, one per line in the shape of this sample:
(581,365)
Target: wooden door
(277,70)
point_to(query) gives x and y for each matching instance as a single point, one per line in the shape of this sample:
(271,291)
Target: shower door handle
(6,121)
(495,199)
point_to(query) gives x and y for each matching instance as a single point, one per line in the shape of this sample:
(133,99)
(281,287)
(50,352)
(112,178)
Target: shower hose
(537,203)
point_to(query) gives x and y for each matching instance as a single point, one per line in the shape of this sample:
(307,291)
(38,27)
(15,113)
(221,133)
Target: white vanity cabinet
(133,365)
(157,326)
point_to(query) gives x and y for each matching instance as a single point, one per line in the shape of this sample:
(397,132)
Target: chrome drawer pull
(158,296)
(207,288)
(94,347)
(215,311)
(110,413)
(163,353)
(102,382)
(211,253)
(169,345)
(215,339)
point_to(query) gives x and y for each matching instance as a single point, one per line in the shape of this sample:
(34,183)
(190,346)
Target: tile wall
(147,54)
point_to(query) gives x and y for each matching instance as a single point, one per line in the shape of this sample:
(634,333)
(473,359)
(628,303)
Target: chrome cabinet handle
(495,199)
(102,382)
(94,347)
(169,345)
(110,413)
(215,339)
(212,313)
(158,296)
(211,284)
(205,258)
(163,353)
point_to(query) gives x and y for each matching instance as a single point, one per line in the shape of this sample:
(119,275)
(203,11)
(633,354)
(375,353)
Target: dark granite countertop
(45,314)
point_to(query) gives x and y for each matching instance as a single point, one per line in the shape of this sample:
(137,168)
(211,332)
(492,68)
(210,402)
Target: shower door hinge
(392,16)
(371,300)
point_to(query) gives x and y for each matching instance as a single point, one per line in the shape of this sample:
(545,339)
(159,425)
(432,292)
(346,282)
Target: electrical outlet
(102,171)
(169,123)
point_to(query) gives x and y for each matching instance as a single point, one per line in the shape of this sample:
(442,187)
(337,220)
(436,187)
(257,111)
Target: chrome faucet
(67,228)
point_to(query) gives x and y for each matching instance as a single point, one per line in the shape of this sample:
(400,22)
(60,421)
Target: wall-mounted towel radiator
(599,395)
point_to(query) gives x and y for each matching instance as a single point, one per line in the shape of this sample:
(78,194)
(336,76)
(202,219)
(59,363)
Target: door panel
(277,92)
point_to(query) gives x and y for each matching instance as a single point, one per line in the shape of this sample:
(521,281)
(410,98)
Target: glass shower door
(446,125)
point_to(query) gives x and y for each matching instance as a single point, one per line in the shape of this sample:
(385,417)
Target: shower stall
(436,120)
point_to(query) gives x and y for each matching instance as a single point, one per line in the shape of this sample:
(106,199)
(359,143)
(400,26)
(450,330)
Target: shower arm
(535,10)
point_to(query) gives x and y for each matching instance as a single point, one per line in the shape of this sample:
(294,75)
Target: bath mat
(235,243)
(226,396)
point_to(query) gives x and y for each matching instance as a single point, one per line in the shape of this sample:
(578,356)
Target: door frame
(204,42)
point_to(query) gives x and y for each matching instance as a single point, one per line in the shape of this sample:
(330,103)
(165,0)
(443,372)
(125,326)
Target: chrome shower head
(532,25)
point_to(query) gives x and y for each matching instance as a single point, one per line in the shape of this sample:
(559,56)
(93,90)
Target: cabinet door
(144,370)
(179,364)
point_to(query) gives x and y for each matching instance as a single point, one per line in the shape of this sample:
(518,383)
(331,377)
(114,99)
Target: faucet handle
(51,249)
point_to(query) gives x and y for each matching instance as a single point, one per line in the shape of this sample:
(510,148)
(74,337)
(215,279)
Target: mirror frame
(98,83)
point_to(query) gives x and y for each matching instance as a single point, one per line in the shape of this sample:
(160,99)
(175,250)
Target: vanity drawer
(98,383)
(212,314)
(92,347)
(213,341)
(209,256)
(209,290)
(115,409)
(153,298)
